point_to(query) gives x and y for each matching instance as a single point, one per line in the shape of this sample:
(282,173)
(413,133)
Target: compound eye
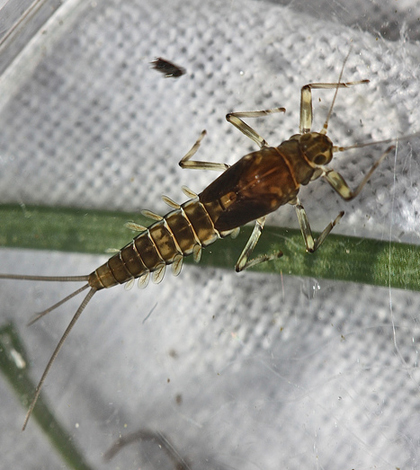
(320,159)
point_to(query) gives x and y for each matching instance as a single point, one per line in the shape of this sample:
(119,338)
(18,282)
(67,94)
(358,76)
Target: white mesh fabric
(269,376)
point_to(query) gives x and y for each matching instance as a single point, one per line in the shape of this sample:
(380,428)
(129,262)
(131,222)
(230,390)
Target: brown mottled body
(258,184)
(172,238)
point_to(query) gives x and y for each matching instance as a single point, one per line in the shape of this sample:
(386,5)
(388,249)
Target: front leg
(235,119)
(306,111)
(340,185)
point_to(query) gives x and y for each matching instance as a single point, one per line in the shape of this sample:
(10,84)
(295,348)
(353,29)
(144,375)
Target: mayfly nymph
(256,185)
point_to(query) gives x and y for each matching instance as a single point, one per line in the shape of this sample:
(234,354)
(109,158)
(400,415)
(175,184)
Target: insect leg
(306,111)
(235,119)
(195,165)
(243,261)
(340,185)
(311,244)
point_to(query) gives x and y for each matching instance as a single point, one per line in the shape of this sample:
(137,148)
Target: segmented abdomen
(181,232)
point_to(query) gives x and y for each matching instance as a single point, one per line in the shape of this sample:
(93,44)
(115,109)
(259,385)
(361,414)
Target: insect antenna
(325,126)
(76,316)
(337,148)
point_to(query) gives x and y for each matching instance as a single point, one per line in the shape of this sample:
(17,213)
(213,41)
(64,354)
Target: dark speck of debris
(169,69)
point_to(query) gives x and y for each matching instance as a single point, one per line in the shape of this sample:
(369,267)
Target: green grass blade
(14,365)
(343,258)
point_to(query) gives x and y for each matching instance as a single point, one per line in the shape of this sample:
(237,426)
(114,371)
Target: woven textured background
(273,372)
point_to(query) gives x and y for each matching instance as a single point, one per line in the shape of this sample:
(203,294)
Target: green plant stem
(343,258)
(14,365)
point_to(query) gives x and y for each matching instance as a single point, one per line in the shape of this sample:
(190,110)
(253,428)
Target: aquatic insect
(169,69)
(256,185)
